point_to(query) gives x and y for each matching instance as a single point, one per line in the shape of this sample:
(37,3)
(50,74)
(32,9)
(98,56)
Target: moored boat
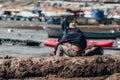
(91,32)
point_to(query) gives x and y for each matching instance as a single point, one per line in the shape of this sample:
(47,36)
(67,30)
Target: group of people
(74,37)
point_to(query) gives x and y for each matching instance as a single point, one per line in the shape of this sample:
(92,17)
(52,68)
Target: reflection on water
(25,51)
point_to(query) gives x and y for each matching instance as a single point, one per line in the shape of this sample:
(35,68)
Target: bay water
(27,51)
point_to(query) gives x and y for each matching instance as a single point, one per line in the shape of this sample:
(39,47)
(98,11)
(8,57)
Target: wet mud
(94,67)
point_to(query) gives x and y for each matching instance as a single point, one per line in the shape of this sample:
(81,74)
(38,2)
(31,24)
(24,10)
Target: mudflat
(61,68)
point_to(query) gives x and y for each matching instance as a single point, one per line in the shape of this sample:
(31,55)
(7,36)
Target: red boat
(102,43)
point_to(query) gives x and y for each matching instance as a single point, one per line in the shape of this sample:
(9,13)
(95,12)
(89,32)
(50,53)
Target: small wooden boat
(97,32)
(102,43)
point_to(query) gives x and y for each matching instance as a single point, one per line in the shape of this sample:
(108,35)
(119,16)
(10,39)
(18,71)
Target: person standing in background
(64,25)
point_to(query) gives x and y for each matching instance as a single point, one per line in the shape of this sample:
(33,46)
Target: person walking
(76,42)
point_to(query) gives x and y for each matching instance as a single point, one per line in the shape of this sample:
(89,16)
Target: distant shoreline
(22,24)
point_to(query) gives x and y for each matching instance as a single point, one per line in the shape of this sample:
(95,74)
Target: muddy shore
(61,68)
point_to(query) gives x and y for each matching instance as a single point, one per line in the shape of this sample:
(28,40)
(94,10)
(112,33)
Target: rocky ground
(61,68)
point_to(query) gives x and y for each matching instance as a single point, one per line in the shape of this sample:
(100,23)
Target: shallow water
(25,51)
(23,34)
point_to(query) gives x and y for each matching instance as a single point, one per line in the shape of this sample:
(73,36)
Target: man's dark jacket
(74,37)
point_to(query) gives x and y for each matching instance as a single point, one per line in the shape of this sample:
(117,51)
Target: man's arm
(64,39)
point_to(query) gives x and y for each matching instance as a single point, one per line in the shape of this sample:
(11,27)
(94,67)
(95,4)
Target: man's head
(72,25)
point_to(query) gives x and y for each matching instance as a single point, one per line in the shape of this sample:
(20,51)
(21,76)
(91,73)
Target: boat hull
(55,32)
